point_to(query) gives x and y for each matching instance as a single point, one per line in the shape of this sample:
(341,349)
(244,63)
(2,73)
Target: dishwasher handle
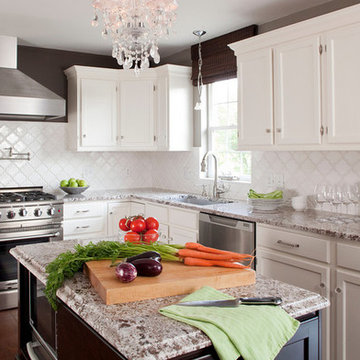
(228,222)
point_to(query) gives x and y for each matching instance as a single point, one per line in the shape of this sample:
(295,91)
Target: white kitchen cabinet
(255,98)
(343,85)
(316,79)
(137,113)
(92,109)
(113,110)
(116,211)
(86,219)
(174,111)
(137,208)
(181,236)
(297,92)
(347,314)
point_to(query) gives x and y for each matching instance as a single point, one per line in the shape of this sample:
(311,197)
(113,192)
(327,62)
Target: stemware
(347,196)
(320,195)
(335,196)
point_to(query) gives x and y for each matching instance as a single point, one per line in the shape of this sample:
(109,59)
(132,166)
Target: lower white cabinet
(303,273)
(116,211)
(85,220)
(347,293)
(336,276)
(181,236)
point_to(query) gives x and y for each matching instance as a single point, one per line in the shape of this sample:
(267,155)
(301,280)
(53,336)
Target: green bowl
(74,190)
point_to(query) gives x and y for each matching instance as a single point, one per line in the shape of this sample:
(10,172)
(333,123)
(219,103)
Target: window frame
(209,132)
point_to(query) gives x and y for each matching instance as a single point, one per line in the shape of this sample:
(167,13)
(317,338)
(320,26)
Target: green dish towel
(255,332)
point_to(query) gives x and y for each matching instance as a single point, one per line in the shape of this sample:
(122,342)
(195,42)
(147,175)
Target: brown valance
(219,61)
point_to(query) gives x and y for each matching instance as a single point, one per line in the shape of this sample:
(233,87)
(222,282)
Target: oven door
(42,321)
(8,271)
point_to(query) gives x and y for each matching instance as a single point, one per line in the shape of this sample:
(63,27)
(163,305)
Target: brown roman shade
(219,61)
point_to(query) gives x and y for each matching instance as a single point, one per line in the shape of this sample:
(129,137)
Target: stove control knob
(11,214)
(51,211)
(37,212)
(23,212)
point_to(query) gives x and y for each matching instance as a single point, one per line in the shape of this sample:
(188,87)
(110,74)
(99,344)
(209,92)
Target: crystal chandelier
(134,27)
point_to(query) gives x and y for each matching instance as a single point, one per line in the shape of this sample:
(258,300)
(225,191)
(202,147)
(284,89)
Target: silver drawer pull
(83,227)
(82,211)
(280,242)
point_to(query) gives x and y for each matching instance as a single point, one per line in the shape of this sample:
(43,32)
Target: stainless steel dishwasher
(226,233)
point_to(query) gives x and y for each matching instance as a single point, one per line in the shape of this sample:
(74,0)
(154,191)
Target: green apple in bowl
(82,183)
(73,183)
(64,183)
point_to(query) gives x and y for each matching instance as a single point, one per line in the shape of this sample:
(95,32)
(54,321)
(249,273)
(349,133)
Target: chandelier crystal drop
(135,26)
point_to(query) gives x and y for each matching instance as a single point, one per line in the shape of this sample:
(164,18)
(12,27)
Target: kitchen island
(136,330)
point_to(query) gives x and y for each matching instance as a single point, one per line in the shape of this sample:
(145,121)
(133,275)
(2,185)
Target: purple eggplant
(145,255)
(147,267)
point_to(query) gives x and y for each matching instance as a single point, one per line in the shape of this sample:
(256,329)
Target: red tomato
(124,224)
(152,223)
(138,225)
(150,236)
(132,237)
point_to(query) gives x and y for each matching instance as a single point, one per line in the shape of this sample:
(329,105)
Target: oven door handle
(31,352)
(37,235)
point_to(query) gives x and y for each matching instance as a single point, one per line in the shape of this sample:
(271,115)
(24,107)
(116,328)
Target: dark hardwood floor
(8,334)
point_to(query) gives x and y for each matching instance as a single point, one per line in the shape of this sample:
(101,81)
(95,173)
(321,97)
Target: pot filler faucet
(216,191)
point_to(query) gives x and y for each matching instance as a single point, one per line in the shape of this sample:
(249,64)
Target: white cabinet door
(347,315)
(300,273)
(116,211)
(255,106)
(343,85)
(297,89)
(137,208)
(181,236)
(137,113)
(99,113)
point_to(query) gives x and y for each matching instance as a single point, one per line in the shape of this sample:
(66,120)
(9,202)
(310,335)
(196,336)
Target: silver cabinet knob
(121,137)
(322,285)
(268,131)
(84,135)
(278,130)
(338,290)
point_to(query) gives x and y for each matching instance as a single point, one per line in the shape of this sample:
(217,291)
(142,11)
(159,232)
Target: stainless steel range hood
(21,97)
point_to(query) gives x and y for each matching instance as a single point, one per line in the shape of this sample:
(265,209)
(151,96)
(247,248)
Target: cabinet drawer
(181,236)
(157,211)
(85,226)
(84,209)
(293,243)
(348,256)
(183,218)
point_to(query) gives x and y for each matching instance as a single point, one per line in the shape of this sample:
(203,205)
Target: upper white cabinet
(114,110)
(137,113)
(298,85)
(343,85)
(297,92)
(255,82)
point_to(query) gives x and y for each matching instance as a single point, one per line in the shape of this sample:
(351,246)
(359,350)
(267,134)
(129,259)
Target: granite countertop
(137,329)
(337,225)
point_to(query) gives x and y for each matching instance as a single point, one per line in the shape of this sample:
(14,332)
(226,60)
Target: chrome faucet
(216,191)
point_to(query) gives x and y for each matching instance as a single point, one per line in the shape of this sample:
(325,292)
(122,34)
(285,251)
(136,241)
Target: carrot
(209,256)
(199,247)
(203,262)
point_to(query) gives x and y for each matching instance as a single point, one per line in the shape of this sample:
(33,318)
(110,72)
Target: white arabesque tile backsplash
(51,161)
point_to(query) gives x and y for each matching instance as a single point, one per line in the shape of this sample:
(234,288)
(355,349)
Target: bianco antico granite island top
(137,330)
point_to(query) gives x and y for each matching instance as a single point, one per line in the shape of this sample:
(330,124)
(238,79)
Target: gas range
(27,216)
(28,204)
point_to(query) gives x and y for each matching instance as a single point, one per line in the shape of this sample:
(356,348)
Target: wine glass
(335,196)
(347,196)
(320,195)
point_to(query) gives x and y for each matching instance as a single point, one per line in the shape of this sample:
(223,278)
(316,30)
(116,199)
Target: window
(222,133)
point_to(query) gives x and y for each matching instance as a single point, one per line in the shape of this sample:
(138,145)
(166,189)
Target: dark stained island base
(88,329)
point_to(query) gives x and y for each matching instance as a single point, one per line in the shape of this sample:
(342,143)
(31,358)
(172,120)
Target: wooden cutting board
(175,279)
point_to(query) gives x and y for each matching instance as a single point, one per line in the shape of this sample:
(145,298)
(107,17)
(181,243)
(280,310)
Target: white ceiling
(66,24)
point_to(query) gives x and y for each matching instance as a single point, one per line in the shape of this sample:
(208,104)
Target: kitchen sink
(190,199)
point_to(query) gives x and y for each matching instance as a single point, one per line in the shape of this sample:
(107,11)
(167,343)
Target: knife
(234,302)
